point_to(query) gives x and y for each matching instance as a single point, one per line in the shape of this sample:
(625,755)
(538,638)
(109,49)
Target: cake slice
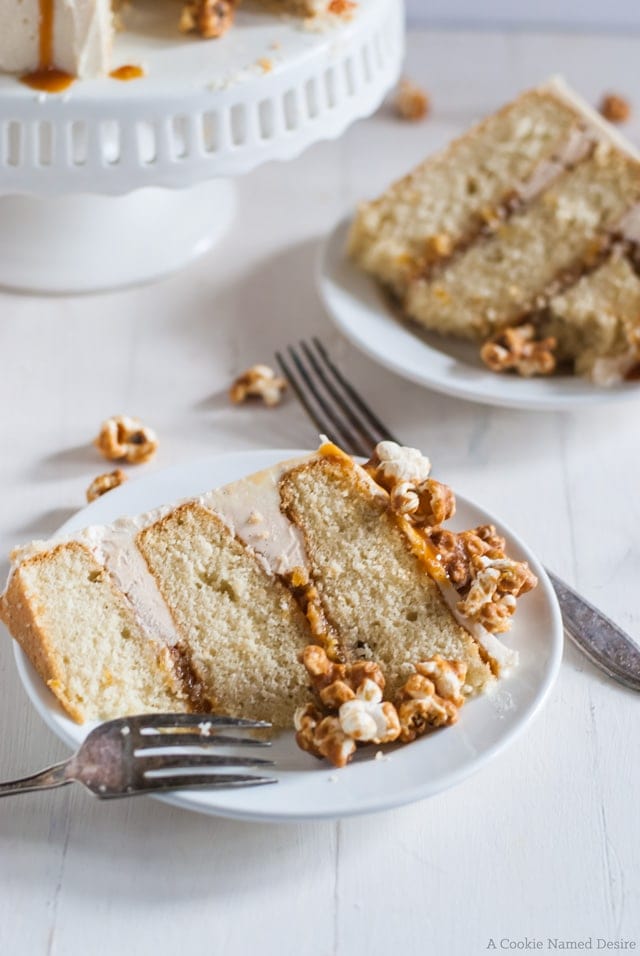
(483,236)
(211,604)
(84,638)
(243,627)
(373,586)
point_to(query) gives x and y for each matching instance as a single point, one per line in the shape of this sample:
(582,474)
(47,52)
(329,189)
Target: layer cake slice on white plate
(509,228)
(209,604)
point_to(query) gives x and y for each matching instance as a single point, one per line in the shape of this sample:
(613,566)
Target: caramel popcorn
(412,103)
(352,709)
(209,18)
(103,483)
(431,697)
(615,108)
(342,8)
(322,736)
(488,581)
(404,473)
(261,382)
(426,505)
(518,349)
(392,463)
(122,437)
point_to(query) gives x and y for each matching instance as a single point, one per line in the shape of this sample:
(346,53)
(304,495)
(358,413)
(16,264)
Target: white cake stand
(115,183)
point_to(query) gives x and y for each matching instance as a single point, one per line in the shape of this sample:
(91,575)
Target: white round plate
(308,789)
(359,309)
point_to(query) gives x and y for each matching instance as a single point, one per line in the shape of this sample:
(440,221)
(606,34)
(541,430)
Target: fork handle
(55,776)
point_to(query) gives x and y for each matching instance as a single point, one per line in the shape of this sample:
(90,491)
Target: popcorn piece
(615,108)
(352,709)
(426,505)
(412,103)
(518,349)
(322,736)
(404,473)
(431,697)
(392,463)
(103,483)
(209,18)
(491,599)
(261,382)
(122,437)
(367,718)
(342,8)
(487,579)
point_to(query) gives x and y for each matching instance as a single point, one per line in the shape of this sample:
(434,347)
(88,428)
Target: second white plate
(308,789)
(358,308)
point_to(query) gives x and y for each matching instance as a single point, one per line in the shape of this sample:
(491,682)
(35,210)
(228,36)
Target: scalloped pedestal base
(87,243)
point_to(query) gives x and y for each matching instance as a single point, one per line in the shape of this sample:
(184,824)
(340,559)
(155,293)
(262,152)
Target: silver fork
(340,413)
(121,758)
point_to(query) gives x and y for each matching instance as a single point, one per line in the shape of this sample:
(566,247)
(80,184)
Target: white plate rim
(247,461)
(356,307)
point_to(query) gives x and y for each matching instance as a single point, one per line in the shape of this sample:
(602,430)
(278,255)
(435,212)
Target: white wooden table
(542,843)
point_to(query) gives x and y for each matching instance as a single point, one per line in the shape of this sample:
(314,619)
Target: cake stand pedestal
(112,184)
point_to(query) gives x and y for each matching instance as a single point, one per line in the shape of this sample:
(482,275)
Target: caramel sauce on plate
(127,72)
(47,78)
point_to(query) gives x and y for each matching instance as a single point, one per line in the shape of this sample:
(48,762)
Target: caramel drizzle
(47,77)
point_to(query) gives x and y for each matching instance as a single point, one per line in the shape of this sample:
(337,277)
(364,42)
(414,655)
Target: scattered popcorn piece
(209,18)
(412,103)
(122,437)
(261,382)
(615,108)
(103,483)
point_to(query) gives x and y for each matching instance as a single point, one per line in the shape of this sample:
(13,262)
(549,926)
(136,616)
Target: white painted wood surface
(543,842)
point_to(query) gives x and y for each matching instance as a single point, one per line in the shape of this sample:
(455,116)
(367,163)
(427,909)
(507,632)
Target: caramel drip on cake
(47,78)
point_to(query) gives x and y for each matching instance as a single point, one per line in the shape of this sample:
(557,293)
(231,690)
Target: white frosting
(82,36)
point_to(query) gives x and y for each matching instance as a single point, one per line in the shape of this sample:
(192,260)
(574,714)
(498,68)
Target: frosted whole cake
(521,236)
(318,572)
(75,37)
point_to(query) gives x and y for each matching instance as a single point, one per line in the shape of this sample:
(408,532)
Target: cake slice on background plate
(317,571)
(509,227)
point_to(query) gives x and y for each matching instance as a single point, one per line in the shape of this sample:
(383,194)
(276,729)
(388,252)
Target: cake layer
(502,278)
(373,588)
(451,197)
(84,638)
(242,626)
(596,323)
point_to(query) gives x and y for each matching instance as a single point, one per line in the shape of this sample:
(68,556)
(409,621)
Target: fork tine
(204,780)
(171,721)
(330,424)
(300,394)
(169,741)
(385,433)
(191,782)
(146,765)
(361,428)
